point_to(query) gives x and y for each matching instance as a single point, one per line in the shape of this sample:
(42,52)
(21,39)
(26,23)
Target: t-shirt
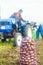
(17,16)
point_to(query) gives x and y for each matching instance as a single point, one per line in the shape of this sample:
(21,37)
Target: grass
(39,48)
(9,55)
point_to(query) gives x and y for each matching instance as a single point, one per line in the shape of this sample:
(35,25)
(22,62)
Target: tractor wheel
(3,40)
(28,31)
(17,39)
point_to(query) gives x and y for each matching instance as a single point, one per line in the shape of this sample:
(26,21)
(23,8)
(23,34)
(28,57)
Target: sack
(28,52)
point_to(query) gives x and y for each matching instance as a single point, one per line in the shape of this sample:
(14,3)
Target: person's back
(17,15)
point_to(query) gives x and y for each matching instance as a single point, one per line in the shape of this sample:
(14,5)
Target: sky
(32,9)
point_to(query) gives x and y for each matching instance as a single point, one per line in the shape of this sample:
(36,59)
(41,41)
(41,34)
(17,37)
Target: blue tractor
(9,28)
(5,29)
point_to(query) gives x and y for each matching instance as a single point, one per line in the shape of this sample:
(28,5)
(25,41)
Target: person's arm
(23,20)
(20,17)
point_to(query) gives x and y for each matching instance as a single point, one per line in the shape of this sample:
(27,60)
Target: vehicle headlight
(2,27)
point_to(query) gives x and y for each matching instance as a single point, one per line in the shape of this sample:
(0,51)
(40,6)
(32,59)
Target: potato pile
(28,52)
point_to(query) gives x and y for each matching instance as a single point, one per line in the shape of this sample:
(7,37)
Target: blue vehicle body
(5,25)
(22,26)
(9,25)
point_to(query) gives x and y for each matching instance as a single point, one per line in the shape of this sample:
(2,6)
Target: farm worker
(18,17)
(28,52)
(39,31)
